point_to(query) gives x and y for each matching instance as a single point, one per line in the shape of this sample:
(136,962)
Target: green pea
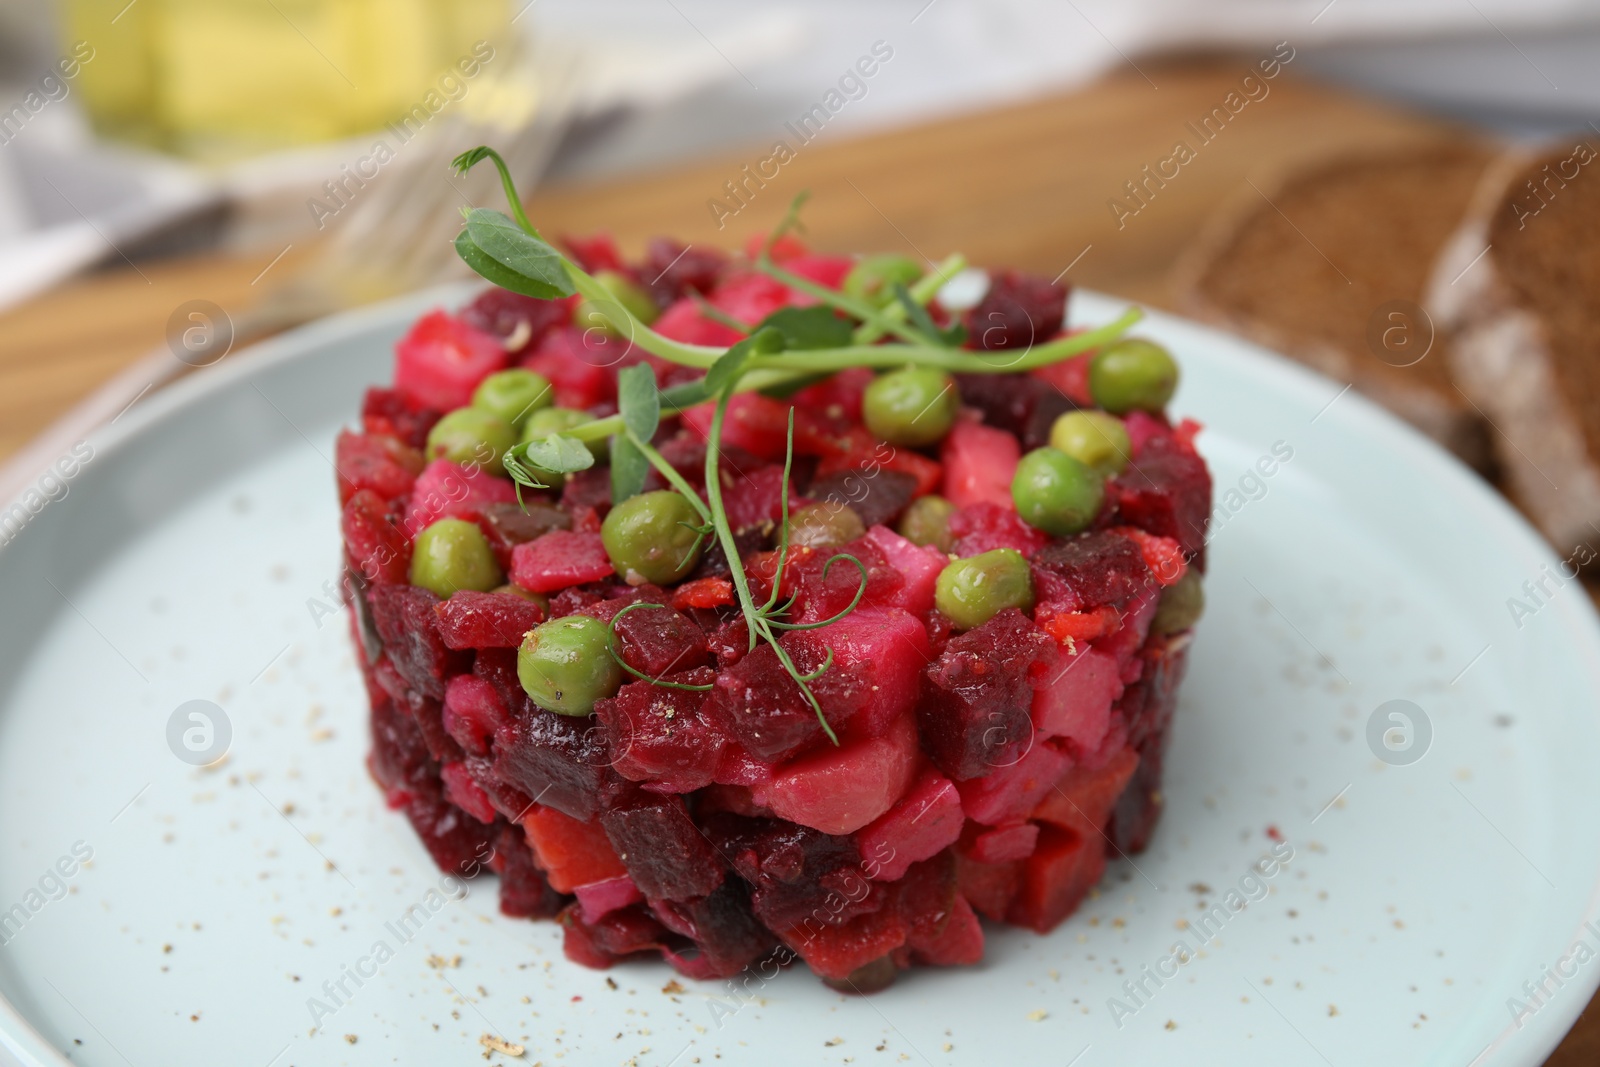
(1056,493)
(927,522)
(653,537)
(972,591)
(912,407)
(1181,604)
(1132,375)
(825,523)
(470,435)
(592,314)
(873,278)
(453,554)
(1093,438)
(565,664)
(513,395)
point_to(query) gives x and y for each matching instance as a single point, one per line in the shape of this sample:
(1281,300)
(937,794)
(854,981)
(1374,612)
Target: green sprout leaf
(639,400)
(629,469)
(507,244)
(491,271)
(558,454)
(809,328)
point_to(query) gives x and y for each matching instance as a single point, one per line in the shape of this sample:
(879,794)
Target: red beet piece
(826,591)
(838,951)
(561,762)
(1167,492)
(399,761)
(486,620)
(986,525)
(464,793)
(452,490)
(1083,799)
(926,821)
(1019,311)
(877,497)
(959,943)
(393,414)
(442,360)
(473,711)
(1087,571)
(797,873)
(524,893)
(518,321)
(1014,842)
(684,321)
(579,364)
(410,630)
(727,937)
(660,736)
(675,270)
(978,694)
(1055,879)
(617,936)
(1007,794)
(386,465)
(560,559)
(1075,697)
(427,712)
(458,843)
(599,899)
(758,703)
(509,525)
(377,546)
(988,887)
(840,790)
(979,463)
(661,641)
(666,854)
(1023,404)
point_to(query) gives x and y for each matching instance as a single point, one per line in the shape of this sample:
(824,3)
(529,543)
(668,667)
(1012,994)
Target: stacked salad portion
(756,608)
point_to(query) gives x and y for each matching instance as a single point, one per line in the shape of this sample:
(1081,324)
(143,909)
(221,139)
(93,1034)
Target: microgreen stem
(858,309)
(510,187)
(719,519)
(923,290)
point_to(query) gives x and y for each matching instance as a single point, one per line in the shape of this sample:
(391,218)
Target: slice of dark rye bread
(1524,322)
(1312,266)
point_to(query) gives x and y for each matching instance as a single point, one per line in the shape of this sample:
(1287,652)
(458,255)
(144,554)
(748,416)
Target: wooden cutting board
(1027,186)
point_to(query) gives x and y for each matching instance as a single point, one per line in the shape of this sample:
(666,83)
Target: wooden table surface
(1026,186)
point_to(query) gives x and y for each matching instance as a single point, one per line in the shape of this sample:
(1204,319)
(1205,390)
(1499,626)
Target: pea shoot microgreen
(786,350)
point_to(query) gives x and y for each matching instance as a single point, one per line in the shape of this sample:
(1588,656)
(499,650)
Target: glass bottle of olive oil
(216,80)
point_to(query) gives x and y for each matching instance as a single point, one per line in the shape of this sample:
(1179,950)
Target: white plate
(190,554)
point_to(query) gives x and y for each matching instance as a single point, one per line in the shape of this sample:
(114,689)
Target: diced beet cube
(377,547)
(409,627)
(458,843)
(486,620)
(571,852)
(473,711)
(1074,698)
(684,321)
(1018,311)
(838,951)
(1026,405)
(755,423)
(1014,842)
(890,646)
(509,525)
(917,565)
(827,271)
(1167,491)
(926,895)
(425,711)
(660,736)
(1070,377)
(660,641)
(798,873)
(386,465)
(559,761)
(1082,800)
(758,704)
(577,361)
(464,793)
(599,899)
(517,321)
(923,823)
(1137,810)
(498,667)
(826,584)
(727,937)
(1009,793)
(751,297)
(836,397)
(524,893)
(979,463)
(1124,643)
(985,526)
(400,759)
(675,270)
(1087,571)
(876,496)
(666,854)
(560,559)
(988,887)
(959,943)
(975,712)
(840,790)
(508,800)
(617,936)
(391,413)
(446,490)
(442,360)
(1055,879)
